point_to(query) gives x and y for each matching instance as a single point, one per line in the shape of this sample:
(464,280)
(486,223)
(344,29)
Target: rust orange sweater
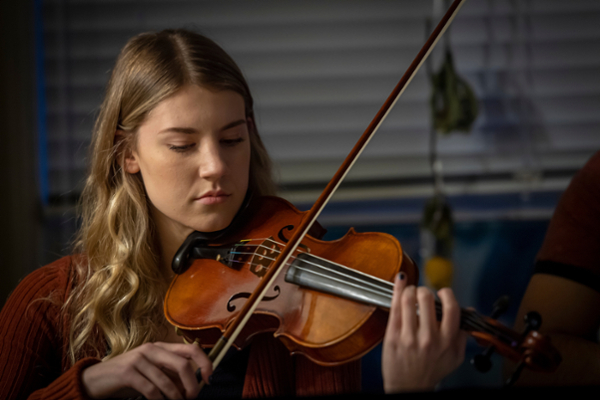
(34,339)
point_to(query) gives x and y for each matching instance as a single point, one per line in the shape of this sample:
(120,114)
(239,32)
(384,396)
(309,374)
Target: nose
(212,164)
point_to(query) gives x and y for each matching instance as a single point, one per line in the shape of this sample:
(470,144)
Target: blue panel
(41,103)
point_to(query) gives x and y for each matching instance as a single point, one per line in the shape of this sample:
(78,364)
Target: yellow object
(438,272)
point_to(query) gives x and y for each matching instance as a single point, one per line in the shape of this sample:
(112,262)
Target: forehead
(193,104)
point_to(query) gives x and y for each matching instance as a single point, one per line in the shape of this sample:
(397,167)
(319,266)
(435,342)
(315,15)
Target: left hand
(418,351)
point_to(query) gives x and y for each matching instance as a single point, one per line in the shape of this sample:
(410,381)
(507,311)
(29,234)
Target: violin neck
(325,276)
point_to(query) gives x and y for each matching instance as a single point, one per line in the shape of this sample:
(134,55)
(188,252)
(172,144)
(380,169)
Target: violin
(330,304)
(327,301)
(325,323)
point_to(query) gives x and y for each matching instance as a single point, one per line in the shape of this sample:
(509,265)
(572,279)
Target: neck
(169,237)
(168,247)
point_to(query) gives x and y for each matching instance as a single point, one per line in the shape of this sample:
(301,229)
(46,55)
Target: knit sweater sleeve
(32,339)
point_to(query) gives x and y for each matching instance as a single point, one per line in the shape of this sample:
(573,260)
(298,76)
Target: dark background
(319,71)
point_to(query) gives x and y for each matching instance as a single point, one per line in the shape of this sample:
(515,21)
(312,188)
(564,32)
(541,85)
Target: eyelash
(184,148)
(232,142)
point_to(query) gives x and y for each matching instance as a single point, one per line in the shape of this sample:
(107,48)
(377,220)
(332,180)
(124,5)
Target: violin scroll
(530,349)
(538,352)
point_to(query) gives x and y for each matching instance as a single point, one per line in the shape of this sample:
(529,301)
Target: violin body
(329,330)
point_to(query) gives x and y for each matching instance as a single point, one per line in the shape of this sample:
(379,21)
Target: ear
(129,158)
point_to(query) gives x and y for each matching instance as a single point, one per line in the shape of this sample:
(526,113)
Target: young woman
(175,150)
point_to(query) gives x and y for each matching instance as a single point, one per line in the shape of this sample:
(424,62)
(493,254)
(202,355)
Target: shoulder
(33,314)
(57,276)
(593,164)
(49,286)
(570,248)
(587,180)
(579,204)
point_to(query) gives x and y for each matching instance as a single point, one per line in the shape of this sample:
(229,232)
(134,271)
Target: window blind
(319,71)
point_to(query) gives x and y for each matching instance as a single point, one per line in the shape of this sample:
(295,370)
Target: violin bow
(233,330)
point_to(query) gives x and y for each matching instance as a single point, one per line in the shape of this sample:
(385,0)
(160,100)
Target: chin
(213,226)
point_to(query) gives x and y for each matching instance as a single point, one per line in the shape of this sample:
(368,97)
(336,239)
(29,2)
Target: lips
(213,197)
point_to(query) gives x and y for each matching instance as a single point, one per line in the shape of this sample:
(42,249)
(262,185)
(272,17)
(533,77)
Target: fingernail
(401,276)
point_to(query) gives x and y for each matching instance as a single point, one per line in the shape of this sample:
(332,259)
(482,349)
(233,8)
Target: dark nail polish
(401,276)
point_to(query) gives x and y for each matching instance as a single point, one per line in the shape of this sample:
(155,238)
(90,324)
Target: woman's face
(193,153)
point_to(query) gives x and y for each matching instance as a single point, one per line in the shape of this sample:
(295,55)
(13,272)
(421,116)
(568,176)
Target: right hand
(154,370)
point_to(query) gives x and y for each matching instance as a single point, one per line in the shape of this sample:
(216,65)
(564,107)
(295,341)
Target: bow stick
(233,330)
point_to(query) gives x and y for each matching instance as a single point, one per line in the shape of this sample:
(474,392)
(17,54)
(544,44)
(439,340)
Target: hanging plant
(453,108)
(453,103)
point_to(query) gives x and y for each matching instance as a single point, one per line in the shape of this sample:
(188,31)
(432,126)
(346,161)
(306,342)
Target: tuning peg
(482,362)
(533,321)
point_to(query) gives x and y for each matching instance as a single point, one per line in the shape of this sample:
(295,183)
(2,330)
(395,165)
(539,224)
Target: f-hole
(246,295)
(282,237)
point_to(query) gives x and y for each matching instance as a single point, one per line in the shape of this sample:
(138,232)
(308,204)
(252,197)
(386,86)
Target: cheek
(165,183)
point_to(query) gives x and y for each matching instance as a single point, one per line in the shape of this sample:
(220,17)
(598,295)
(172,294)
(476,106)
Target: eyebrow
(186,130)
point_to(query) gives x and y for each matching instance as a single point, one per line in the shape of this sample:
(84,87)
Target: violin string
(378,288)
(381,281)
(380,284)
(468,318)
(328,276)
(477,322)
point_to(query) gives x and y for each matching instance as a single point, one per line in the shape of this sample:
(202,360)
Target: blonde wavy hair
(119,291)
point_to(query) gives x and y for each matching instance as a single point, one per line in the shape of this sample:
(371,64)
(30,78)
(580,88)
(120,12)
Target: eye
(182,149)
(232,142)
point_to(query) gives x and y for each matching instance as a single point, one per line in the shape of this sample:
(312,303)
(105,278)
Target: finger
(173,359)
(193,352)
(427,318)
(141,385)
(149,368)
(395,319)
(409,311)
(119,377)
(451,313)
